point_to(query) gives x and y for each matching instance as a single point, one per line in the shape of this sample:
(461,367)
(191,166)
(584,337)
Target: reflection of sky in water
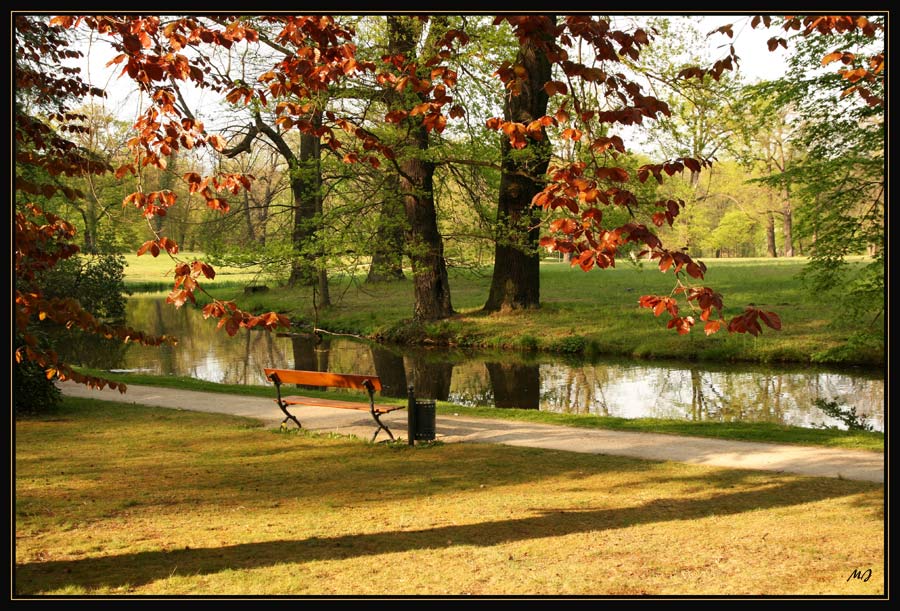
(616,388)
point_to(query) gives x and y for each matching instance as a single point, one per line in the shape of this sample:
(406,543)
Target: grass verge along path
(117,499)
(742,431)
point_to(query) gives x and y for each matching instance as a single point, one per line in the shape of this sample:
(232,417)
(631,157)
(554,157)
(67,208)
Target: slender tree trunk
(89,239)
(515,282)
(788,227)
(166,183)
(387,251)
(321,257)
(771,249)
(248,218)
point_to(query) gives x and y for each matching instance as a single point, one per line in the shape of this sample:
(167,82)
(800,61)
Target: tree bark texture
(771,249)
(424,241)
(387,251)
(788,227)
(306,187)
(515,283)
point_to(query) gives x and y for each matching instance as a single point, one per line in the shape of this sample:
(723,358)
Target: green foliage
(735,235)
(528,343)
(32,392)
(573,344)
(840,180)
(97,281)
(864,347)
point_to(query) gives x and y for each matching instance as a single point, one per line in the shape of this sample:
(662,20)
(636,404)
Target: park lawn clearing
(146,273)
(116,499)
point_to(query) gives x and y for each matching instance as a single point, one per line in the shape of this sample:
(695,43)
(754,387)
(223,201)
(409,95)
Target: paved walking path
(803,460)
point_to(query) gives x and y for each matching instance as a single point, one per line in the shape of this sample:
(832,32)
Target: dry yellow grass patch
(118,499)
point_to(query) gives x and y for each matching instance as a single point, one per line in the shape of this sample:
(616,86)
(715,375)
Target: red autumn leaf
(170,245)
(660,307)
(147,246)
(665,262)
(217,141)
(395,116)
(563,225)
(571,133)
(648,301)
(712,326)
(694,270)
(771,319)
(554,87)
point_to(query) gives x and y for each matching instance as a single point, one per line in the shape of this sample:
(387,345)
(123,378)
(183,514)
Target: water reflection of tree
(87,349)
(430,379)
(515,385)
(701,392)
(471,385)
(390,369)
(575,389)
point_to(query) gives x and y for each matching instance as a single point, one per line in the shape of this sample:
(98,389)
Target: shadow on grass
(140,568)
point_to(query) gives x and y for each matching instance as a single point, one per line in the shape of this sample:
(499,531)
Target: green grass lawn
(116,499)
(598,313)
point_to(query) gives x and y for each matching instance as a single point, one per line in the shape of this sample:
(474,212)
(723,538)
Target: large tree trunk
(306,187)
(387,251)
(426,247)
(515,282)
(431,285)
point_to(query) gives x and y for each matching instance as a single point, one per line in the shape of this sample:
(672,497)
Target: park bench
(370,384)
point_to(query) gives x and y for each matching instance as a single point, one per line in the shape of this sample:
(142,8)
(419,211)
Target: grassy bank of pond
(596,313)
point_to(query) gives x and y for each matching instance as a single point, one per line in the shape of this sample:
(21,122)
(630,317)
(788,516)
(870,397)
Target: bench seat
(314,402)
(369,384)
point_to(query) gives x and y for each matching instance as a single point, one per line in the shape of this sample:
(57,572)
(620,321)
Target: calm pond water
(609,387)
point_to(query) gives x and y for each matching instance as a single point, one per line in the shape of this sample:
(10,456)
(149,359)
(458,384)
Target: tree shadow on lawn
(140,568)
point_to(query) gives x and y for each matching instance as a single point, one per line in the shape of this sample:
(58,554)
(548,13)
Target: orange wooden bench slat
(315,402)
(322,378)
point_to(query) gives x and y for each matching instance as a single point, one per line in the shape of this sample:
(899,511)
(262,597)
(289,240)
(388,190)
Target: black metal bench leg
(289,416)
(380,426)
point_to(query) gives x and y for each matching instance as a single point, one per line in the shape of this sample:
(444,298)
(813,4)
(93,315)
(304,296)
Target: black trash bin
(420,419)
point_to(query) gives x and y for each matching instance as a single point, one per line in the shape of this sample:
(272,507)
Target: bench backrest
(324,378)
